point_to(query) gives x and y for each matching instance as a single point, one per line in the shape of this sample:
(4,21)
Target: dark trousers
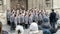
(53,30)
(23,24)
(8,22)
(19,31)
(26,26)
(52,24)
(39,22)
(13,26)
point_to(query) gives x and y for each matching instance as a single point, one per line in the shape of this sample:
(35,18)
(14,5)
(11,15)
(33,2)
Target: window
(47,4)
(13,0)
(1,2)
(47,0)
(19,0)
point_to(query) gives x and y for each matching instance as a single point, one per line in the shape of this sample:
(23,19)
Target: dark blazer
(52,17)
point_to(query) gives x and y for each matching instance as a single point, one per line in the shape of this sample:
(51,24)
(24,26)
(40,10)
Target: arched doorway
(17,4)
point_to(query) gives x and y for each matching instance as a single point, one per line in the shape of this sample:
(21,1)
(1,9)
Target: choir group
(23,17)
(41,18)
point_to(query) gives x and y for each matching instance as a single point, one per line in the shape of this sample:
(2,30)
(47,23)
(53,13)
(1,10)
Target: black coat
(52,17)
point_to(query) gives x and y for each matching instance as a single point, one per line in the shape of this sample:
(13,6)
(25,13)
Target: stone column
(5,6)
(34,3)
(8,4)
(29,4)
(41,4)
(3,13)
(38,4)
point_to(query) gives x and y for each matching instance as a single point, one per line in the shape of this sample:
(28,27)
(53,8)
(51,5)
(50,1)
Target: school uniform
(8,18)
(36,17)
(23,21)
(33,17)
(12,22)
(46,18)
(26,21)
(19,20)
(40,19)
(23,18)
(30,19)
(15,20)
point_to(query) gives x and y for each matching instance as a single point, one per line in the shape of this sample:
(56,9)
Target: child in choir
(26,20)
(30,18)
(23,21)
(8,17)
(15,19)
(12,22)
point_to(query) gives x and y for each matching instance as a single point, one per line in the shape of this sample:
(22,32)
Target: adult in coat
(52,18)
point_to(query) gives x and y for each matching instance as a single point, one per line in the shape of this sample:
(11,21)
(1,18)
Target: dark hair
(19,31)
(52,9)
(45,20)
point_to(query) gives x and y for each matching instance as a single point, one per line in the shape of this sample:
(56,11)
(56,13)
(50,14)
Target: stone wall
(2,13)
(31,4)
(40,4)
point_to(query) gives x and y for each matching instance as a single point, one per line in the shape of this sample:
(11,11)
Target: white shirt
(15,20)
(26,19)
(19,27)
(58,23)
(33,27)
(58,32)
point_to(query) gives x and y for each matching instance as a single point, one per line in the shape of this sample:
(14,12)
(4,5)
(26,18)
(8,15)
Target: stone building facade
(40,4)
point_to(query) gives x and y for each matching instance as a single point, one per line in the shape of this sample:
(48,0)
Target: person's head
(46,32)
(34,26)
(8,10)
(29,14)
(46,20)
(52,10)
(19,31)
(45,23)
